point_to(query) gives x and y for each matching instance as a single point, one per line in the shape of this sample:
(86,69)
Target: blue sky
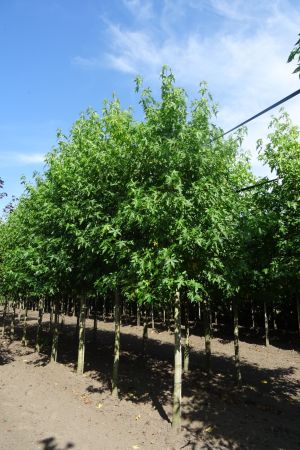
(59,57)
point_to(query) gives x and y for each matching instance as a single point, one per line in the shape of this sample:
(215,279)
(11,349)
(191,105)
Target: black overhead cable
(260,183)
(283,100)
(293,94)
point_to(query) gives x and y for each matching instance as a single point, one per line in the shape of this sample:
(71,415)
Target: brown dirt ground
(47,406)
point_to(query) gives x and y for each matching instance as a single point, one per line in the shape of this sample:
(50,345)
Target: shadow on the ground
(263,414)
(51,444)
(6,356)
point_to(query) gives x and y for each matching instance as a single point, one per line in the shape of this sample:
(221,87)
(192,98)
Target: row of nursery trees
(157,213)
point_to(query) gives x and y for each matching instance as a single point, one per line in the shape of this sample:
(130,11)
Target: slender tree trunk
(95,319)
(164,316)
(199,311)
(298,313)
(176,417)
(274,317)
(19,312)
(252,315)
(207,338)
(266,325)
(55,333)
(24,337)
(12,322)
(39,327)
(238,376)
(51,305)
(152,318)
(3,318)
(104,309)
(145,332)
(81,340)
(186,352)
(138,315)
(115,375)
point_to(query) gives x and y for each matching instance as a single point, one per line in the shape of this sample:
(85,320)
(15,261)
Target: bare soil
(48,406)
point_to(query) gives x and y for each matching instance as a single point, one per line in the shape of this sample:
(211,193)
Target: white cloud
(32,158)
(141,9)
(10,158)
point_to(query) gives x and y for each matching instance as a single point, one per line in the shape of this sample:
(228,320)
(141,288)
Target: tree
(295,55)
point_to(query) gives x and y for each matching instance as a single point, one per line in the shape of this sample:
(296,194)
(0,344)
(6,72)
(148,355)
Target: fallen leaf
(264,382)
(208,429)
(99,405)
(138,417)
(135,446)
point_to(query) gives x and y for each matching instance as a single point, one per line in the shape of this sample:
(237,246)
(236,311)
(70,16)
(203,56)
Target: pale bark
(3,318)
(152,318)
(267,342)
(54,347)
(186,352)
(145,332)
(95,319)
(51,314)
(138,315)
(39,327)
(238,376)
(81,340)
(24,337)
(12,322)
(176,416)
(115,374)
(104,309)
(207,337)
(252,315)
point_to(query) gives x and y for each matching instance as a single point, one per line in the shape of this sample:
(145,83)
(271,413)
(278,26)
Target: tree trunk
(115,375)
(95,319)
(266,325)
(152,318)
(81,340)
(39,327)
(176,417)
(252,315)
(298,313)
(3,318)
(186,352)
(274,318)
(145,332)
(104,309)
(207,338)
(24,337)
(238,376)
(51,314)
(138,315)
(55,333)
(12,322)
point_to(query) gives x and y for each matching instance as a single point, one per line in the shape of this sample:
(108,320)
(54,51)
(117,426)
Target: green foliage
(153,206)
(295,55)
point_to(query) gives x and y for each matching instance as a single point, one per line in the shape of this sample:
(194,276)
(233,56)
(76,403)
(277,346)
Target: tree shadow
(6,356)
(50,444)
(262,414)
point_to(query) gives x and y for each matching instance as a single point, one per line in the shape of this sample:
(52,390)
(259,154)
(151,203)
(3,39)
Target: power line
(283,100)
(260,183)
